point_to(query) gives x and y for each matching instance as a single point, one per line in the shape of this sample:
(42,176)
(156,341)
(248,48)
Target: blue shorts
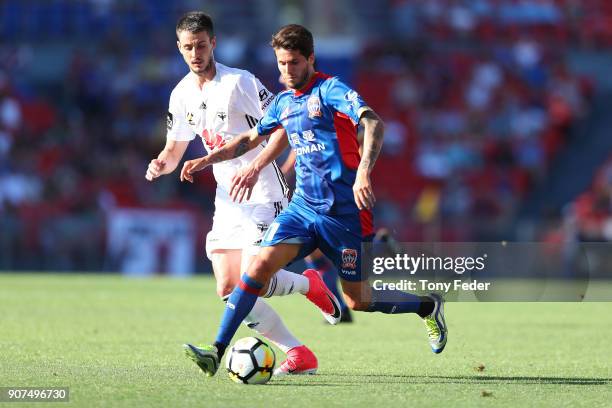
(338,236)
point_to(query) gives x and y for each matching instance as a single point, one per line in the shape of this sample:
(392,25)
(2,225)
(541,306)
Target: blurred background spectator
(497,116)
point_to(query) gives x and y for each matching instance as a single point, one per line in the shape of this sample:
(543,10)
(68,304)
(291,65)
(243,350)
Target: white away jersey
(232,103)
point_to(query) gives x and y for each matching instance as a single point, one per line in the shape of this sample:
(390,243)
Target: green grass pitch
(117,342)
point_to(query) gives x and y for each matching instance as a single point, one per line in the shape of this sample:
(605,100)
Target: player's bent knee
(224,290)
(225,287)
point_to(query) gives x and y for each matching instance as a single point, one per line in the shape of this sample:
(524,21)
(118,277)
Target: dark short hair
(195,22)
(294,37)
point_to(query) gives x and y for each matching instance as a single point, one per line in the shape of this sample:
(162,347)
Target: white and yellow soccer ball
(250,361)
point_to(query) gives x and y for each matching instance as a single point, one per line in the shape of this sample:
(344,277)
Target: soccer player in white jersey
(217,102)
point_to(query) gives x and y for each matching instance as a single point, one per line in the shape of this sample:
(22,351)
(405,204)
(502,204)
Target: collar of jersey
(216,78)
(317,75)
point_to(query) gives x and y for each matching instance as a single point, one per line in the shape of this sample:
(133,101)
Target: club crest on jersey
(308,135)
(349,258)
(190,118)
(169,121)
(203,105)
(314,107)
(222,115)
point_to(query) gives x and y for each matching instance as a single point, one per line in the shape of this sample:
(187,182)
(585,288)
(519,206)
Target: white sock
(285,283)
(265,321)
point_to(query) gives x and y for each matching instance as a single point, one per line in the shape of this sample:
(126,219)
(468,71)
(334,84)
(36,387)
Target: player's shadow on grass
(471,379)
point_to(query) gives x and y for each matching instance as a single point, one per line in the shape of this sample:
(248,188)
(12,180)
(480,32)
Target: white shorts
(240,226)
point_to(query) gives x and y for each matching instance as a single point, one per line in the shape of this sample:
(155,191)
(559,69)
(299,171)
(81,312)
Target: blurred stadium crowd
(478,97)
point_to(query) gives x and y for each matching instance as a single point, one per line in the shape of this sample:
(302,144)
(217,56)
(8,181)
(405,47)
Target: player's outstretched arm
(234,148)
(245,179)
(167,160)
(373,134)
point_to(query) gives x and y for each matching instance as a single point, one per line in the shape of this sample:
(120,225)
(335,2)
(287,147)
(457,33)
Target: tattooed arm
(235,148)
(373,134)
(245,179)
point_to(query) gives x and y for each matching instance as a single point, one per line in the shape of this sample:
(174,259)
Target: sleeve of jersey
(345,99)
(269,122)
(255,98)
(176,125)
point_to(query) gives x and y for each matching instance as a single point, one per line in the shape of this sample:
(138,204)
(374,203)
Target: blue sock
(238,306)
(330,277)
(393,302)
